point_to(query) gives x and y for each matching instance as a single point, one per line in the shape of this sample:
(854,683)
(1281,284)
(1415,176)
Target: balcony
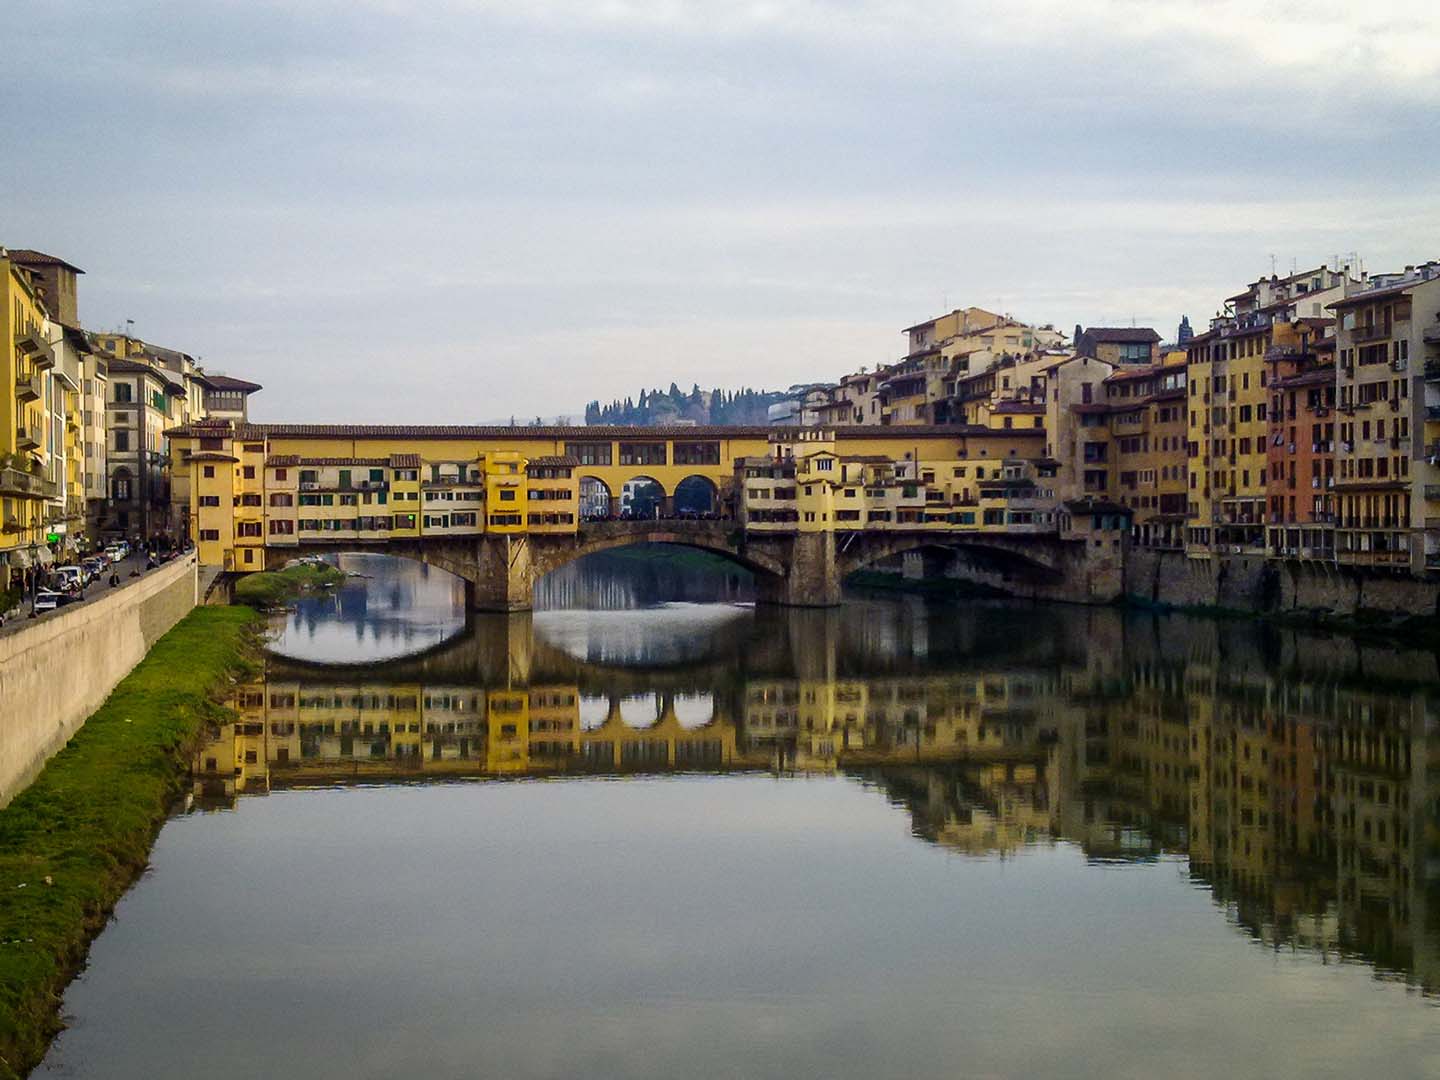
(25,439)
(1369,333)
(1432,492)
(35,346)
(20,482)
(1431,336)
(27,388)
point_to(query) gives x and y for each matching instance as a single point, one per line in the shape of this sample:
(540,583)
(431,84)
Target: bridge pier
(812,578)
(504,579)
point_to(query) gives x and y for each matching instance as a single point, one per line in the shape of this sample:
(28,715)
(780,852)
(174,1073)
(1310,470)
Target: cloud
(759,192)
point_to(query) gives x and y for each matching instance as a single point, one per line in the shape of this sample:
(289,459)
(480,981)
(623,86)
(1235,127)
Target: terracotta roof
(577,434)
(213,455)
(1095,506)
(562,461)
(405,461)
(1113,335)
(1378,294)
(867,459)
(30,257)
(1026,407)
(225,382)
(285,461)
(121,366)
(1321,376)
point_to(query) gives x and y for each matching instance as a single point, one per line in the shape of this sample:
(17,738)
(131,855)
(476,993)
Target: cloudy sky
(458,210)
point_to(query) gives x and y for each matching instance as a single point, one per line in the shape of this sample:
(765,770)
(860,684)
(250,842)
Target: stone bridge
(797,569)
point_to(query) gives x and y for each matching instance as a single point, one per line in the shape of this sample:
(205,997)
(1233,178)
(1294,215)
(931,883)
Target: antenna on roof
(1272,265)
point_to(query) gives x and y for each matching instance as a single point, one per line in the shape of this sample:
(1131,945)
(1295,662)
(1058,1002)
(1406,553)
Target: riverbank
(74,840)
(272,588)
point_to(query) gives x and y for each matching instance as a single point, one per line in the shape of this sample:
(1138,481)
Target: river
(652,830)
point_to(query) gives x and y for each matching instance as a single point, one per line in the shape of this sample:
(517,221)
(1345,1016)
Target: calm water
(896,839)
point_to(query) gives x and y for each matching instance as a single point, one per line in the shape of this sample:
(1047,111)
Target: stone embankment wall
(1249,583)
(56,671)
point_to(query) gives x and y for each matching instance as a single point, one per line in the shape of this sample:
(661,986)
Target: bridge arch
(643,498)
(697,496)
(597,500)
(993,559)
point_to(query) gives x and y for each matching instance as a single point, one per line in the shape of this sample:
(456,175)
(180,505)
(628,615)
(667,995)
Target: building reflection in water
(1296,777)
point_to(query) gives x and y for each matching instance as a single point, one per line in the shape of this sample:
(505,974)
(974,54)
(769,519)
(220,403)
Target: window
(642,453)
(507,494)
(282,528)
(124,392)
(697,453)
(281,474)
(122,440)
(208,471)
(209,534)
(589,453)
(248,472)
(209,500)
(281,498)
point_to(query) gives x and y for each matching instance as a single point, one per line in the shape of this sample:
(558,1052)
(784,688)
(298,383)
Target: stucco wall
(55,672)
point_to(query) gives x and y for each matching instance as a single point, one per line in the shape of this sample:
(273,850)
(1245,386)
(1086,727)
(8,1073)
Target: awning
(19,558)
(43,556)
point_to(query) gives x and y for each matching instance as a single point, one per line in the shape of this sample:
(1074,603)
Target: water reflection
(1296,777)
(387,608)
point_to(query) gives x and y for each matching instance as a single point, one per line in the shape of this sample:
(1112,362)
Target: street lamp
(34,575)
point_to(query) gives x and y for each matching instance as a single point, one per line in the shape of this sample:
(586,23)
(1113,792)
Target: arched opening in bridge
(693,710)
(640,710)
(697,497)
(594,711)
(643,575)
(386,607)
(596,501)
(642,498)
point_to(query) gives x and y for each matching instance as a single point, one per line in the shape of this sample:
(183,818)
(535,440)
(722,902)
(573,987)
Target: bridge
(801,509)
(793,569)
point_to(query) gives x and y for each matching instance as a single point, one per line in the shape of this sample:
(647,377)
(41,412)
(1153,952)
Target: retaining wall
(1250,583)
(56,671)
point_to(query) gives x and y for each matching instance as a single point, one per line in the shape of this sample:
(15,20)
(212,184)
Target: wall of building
(1252,583)
(55,672)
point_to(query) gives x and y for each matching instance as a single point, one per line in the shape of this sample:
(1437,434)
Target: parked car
(49,601)
(94,565)
(68,578)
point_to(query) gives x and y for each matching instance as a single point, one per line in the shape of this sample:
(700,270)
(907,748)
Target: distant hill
(656,408)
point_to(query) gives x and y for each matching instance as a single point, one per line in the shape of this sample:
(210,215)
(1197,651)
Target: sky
(452,211)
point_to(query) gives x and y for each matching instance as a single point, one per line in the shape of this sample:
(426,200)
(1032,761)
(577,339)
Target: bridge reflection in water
(1298,776)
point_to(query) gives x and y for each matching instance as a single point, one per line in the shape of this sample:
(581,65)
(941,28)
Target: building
(1119,344)
(227,398)
(28,481)
(1229,432)
(144,402)
(1387,347)
(1300,465)
(1118,433)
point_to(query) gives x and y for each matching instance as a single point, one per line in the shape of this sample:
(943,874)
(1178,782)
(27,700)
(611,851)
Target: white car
(71,577)
(49,601)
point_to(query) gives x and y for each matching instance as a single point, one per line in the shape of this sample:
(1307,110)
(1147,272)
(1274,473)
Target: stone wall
(1250,583)
(58,670)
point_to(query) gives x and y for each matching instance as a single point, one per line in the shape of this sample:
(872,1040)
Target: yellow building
(28,483)
(341,484)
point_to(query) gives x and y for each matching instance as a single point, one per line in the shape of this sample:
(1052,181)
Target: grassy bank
(273,588)
(73,840)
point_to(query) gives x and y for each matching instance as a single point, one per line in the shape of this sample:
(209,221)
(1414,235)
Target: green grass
(273,588)
(73,841)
